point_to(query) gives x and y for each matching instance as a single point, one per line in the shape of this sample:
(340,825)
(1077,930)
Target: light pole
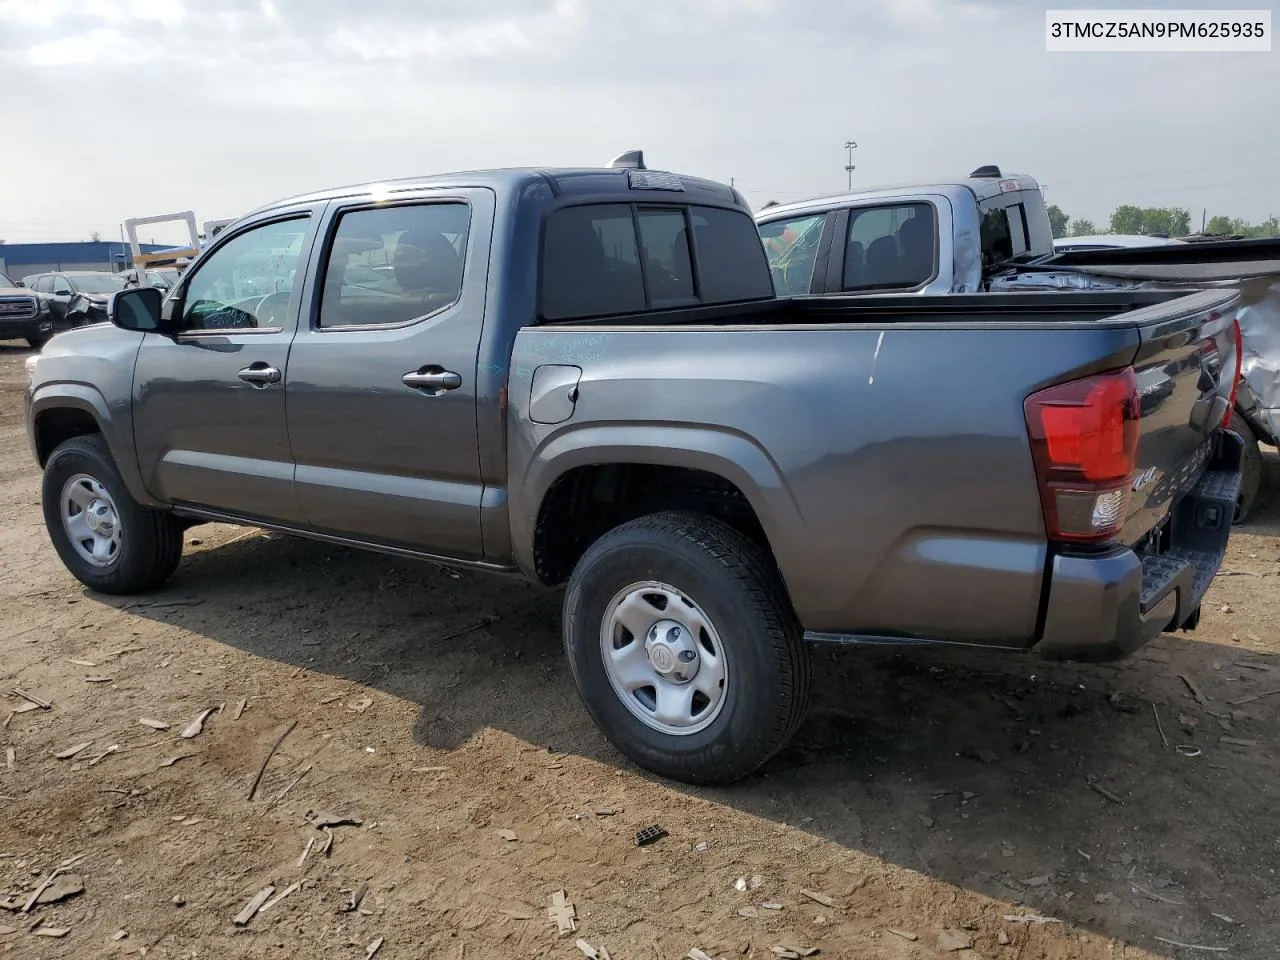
(850,146)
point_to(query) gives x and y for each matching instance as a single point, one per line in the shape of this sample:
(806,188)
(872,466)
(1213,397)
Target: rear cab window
(610,259)
(891,247)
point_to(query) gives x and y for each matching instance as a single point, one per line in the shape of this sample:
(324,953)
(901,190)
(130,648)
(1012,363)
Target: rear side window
(392,265)
(1004,233)
(890,247)
(605,259)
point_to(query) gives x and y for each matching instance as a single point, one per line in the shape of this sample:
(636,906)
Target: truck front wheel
(109,541)
(684,648)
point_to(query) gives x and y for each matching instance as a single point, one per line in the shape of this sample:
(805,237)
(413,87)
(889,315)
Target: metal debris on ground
(64,887)
(372,948)
(605,811)
(321,819)
(592,952)
(70,752)
(650,835)
(1223,917)
(32,699)
(1188,750)
(1028,918)
(353,901)
(253,906)
(950,941)
(10,758)
(1102,791)
(508,835)
(153,724)
(98,679)
(1191,946)
(821,898)
(563,913)
(1159,726)
(1195,691)
(292,888)
(1256,696)
(253,787)
(696,954)
(1237,742)
(196,726)
(120,935)
(904,934)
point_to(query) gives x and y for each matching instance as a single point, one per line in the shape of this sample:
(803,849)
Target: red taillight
(1084,440)
(1235,380)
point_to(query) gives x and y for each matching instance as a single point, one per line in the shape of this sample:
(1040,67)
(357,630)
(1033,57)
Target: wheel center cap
(99,518)
(672,651)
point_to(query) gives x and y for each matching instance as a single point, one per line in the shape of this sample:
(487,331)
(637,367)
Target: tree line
(1152,221)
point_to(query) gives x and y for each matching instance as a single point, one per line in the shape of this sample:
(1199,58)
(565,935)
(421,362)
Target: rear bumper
(1104,606)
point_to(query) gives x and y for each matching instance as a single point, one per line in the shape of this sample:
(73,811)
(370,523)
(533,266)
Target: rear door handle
(432,380)
(260,374)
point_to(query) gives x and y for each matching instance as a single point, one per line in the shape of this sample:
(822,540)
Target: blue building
(18,260)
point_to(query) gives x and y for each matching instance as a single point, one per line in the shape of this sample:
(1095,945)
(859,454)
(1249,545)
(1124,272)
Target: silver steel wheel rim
(664,658)
(91,521)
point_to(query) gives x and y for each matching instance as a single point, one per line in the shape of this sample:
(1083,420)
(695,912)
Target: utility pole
(850,146)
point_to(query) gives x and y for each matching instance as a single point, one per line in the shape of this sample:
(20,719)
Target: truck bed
(886,438)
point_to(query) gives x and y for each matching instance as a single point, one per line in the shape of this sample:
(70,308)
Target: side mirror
(136,308)
(18,283)
(62,293)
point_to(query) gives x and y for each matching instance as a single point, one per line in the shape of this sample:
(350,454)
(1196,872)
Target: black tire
(738,589)
(1250,467)
(38,341)
(150,542)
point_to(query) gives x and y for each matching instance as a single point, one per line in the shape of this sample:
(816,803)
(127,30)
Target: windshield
(98,282)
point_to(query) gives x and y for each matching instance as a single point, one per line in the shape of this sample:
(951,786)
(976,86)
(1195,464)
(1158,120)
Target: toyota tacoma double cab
(584,377)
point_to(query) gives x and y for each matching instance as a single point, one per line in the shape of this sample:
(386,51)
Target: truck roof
(980,188)
(570,181)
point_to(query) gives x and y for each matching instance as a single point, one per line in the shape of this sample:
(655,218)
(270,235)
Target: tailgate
(1186,366)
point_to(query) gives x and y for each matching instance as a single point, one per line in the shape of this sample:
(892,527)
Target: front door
(209,415)
(381,380)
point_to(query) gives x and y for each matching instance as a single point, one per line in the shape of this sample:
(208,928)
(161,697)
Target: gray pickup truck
(585,377)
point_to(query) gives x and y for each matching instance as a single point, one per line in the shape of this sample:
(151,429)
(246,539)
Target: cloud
(251,99)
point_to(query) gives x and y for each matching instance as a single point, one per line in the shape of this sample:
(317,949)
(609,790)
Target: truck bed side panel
(889,467)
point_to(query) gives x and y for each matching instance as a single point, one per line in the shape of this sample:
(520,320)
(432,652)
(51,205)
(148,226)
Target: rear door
(381,382)
(208,406)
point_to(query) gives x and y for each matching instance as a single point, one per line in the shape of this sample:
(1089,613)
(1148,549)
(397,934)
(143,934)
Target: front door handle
(432,380)
(260,374)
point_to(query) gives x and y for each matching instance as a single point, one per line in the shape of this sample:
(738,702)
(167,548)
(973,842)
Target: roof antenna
(632,159)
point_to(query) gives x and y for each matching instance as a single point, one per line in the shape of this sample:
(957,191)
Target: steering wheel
(271,309)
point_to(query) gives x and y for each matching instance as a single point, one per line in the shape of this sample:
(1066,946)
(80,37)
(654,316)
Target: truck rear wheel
(684,648)
(109,541)
(1250,467)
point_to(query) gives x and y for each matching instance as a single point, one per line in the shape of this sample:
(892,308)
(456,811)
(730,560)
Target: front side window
(246,283)
(890,247)
(392,265)
(792,249)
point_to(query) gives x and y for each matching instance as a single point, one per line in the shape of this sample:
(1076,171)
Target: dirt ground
(930,796)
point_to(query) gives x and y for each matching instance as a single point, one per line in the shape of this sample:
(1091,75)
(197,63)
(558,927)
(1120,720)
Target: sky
(118,108)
